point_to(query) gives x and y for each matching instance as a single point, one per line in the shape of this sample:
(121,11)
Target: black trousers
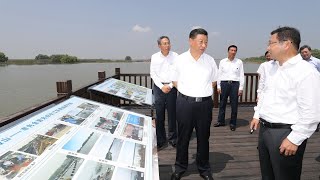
(191,115)
(229,90)
(273,165)
(165,101)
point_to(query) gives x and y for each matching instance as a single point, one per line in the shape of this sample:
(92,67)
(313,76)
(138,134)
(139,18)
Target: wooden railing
(249,95)
(64,91)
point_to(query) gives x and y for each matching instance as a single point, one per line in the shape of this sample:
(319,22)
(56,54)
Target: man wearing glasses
(288,115)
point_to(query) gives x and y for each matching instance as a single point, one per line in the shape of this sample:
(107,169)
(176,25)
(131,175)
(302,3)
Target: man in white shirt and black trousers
(164,93)
(289,113)
(194,75)
(230,84)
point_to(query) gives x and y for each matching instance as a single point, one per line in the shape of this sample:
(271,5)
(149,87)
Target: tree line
(55,58)
(64,58)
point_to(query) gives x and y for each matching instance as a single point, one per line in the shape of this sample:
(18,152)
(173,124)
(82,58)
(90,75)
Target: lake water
(23,86)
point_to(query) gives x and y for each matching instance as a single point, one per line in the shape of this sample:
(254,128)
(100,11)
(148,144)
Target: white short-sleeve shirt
(194,77)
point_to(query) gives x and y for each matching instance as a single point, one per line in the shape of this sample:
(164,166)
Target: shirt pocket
(236,69)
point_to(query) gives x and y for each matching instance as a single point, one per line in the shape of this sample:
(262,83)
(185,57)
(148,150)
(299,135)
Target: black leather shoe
(162,146)
(218,124)
(232,127)
(206,177)
(176,175)
(173,143)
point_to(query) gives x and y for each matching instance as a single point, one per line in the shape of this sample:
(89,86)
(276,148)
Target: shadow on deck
(234,154)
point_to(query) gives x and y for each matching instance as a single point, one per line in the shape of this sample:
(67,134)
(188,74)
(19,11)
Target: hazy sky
(116,28)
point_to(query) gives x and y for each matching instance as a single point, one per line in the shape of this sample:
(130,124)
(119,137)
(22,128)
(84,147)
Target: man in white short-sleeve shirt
(230,84)
(194,75)
(164,94)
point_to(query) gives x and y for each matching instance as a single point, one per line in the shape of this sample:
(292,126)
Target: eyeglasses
(274,42)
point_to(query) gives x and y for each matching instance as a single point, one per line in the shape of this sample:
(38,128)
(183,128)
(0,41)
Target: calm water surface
(23,86)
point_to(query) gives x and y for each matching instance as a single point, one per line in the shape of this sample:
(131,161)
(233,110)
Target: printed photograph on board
(105,125)
(108,148)
(36,144)
(55,130)
(79,114)
(93,170)
(82,142)
(135,120)
(132,132)
(128,174)
(133,154)
(12,163)
(60,166)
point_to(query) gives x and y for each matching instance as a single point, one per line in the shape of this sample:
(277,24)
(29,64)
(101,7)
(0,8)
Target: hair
(303,47)
(233,46)
(288,33)
(193,34)
(160,38)
(265,54)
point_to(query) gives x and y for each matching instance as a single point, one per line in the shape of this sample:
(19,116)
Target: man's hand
(254,124)
(219,91)
(240,92)
(166,89)
(288,148)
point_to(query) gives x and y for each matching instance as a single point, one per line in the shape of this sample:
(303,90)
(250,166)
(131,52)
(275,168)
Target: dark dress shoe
(218,124)
(207,177)
(232,127)
(162,146)
(173,143)
(176,175)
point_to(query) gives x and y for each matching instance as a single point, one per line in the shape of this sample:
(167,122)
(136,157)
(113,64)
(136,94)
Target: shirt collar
(192,56)
(161,55)
(292,61)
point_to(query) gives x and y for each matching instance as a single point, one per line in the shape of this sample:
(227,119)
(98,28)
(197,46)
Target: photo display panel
(80,139)
(125,90)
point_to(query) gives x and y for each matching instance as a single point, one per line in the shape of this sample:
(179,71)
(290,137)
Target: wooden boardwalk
(234,154)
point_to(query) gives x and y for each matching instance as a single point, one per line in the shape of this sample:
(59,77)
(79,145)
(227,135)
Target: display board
(80,139)
(125,90)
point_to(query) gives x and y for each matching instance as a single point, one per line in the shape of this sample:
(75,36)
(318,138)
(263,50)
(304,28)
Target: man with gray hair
(305,52)
(164,93)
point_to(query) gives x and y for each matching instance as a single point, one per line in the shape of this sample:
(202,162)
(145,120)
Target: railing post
(115,100)
(64,88)
(117,73)
(101,75)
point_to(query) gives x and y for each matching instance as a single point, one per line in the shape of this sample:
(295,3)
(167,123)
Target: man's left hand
(287,148)
(240,92)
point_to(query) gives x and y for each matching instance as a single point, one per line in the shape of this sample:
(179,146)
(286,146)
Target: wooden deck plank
(234,155)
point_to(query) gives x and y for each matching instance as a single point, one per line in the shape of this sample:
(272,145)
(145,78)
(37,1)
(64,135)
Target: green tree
(256,59)
(316,53)
(68,59)
(128,58)
(41,57)
(63,58)
(55,58)
(3,57)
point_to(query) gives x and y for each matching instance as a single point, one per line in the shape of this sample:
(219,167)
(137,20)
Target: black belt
(230,82)
(195,99)
(164,83)
(267,124)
